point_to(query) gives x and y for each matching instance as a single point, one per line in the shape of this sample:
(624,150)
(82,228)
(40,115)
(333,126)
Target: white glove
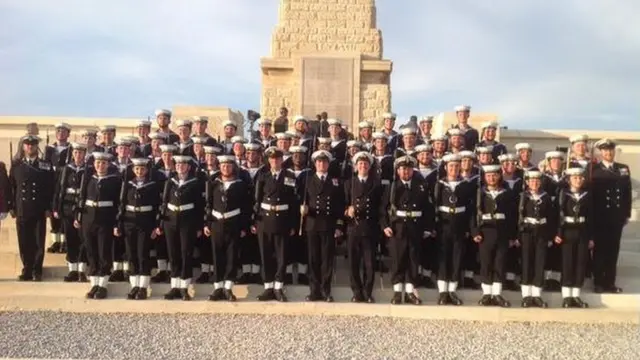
(304,209)
(426,234)
(3,216)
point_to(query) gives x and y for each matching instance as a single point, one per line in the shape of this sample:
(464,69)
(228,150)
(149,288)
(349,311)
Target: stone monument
(326,55)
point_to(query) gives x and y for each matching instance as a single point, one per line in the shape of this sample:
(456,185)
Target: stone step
(630,244)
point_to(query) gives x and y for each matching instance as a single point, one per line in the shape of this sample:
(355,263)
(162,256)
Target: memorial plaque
(327,85)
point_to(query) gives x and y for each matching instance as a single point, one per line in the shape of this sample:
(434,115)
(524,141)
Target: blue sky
(538,64)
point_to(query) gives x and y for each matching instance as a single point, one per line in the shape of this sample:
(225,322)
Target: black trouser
(493,249)
(249,250)
(361,250)
(160,245)
(404,248)
(298,249)
(137,237)
(322,251)
(119,251)
(575,252)
(272,255)
(470,256)
(534,252)
(181,238)
(605,253)
(203,244)
(32,232)
(98,242)
(451,246)
(75,246)
(429,254)
(56,225)
(224,252)
(513,261)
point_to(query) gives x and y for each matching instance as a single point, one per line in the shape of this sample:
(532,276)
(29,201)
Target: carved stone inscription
(327,85)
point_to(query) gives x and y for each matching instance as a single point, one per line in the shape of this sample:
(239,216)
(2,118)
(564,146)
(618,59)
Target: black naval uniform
(275,199)
(57,155)
(429,255)
(160,244)
(249,247)
(32,184)
(612,195)
(552,184)
(120,265)
(228,214)
(470,262)
(513,258)
(365,195)
(298,249)
(497,148)
(470,136)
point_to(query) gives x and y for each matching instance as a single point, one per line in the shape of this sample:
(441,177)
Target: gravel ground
(98,336)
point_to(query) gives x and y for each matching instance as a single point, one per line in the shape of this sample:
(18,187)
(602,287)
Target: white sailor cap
(282,136)
(605,144)
(455,132)
(99,155)
(88,133)
(30,139)
(324,140)
(389,115)
(379,135)
(140,161)
(451,158)
(273,151)
(574,171)
(491,169)
(238,139)
(200,119)
(293,134)
(78,146)
(266,122)
(363,155)
(199,139)
(182,158)
(62,125)
(229,123)
(131,139)
(426,118)
(422,148)
(143,123)
(554,155)
(163,112)
(490,124)
(334,122)
(158,136)
(409,130)
(298,149)
(354,143)
(578,138)
(439,137)
(532,174)
(299,118)
(321,155)
(227,159)
(462,108)
(484,149)
(252,146)
(523,146)
(507,157)
(123,141)
(405,161)
(183,122)
(168,148)
(364,125)
(107,128)
(212,149)
(467,154)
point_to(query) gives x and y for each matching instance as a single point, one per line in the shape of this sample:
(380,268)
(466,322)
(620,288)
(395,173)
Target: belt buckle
(452,210)
(273,207)
(576,219)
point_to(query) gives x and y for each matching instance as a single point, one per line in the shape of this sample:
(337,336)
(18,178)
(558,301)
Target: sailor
(107,138)
(237,149)
(536,226)
(489,131)
(283,142)
(365,132)
(199,142)
(163,119)
(275,198)
(407,143)
(428,170)
(472,176)
(264,129)
(524,152)
(199,129)
(32,183)
(425,126)
(578,153)
(389,122)
(229,129)
(89,137)
(408,221)
(122,163)
(228,216)
(295,136)
(184,143)
(182,223)
(298,258)
(439,145)
(495,228)
(512,179)
(157,139)
(96,217)
(552,182)
(612,193)
(338,144)
(143,129)
(485,156)
(57,155)
(137,223)
(456,140)
(64,203)
(575,236)
(301,128)
(383,161)
(470,134)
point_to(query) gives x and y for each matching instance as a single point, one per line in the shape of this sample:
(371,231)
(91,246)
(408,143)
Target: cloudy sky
(538,64)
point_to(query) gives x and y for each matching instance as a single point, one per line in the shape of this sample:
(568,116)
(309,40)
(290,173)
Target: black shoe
(279,295)
(229,296)
(245,278)
(538,302)
(486,300)
(174,293)
(72,276)
(397,298)
(303,279)
(370,300)
(357,298)
(510,285)
(498,300)
(551,285)
(267,295)
(470,283)
(23,277)
(141,294)
(527,301)
(288,279)
(37,277)
(184,294)
(101,293)
(117,276)
(162,277)
(92,293)
(598,289)
(428,283)
(412,299)
(203,278)
(217,295)
(454,299)
(133,292)
(443,298)
(568,303)
(313,297)
(577,302)
(54,248)
(82,277)
(328,298)
(614,289)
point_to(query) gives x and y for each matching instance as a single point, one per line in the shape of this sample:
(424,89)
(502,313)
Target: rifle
(123,194)
(63,179)
(11,155)
(306,182)
(521,206)
(79,208)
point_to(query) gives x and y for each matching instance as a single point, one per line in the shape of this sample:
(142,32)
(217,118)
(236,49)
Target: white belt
(71,191)
(146,208)
(452,210)
(178,208)
(99,204)
(227,215)
(574,220)
(534,221)
(409,214)
(497,216)
(269,207)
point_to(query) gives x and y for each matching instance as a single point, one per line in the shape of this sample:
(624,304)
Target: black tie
(275,177)
(322,178)
(363,181)
(406,185)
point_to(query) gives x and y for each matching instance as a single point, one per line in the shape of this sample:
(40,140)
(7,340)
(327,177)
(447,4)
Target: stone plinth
(326,55)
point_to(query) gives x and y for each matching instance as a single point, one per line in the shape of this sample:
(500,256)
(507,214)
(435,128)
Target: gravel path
(93,336)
